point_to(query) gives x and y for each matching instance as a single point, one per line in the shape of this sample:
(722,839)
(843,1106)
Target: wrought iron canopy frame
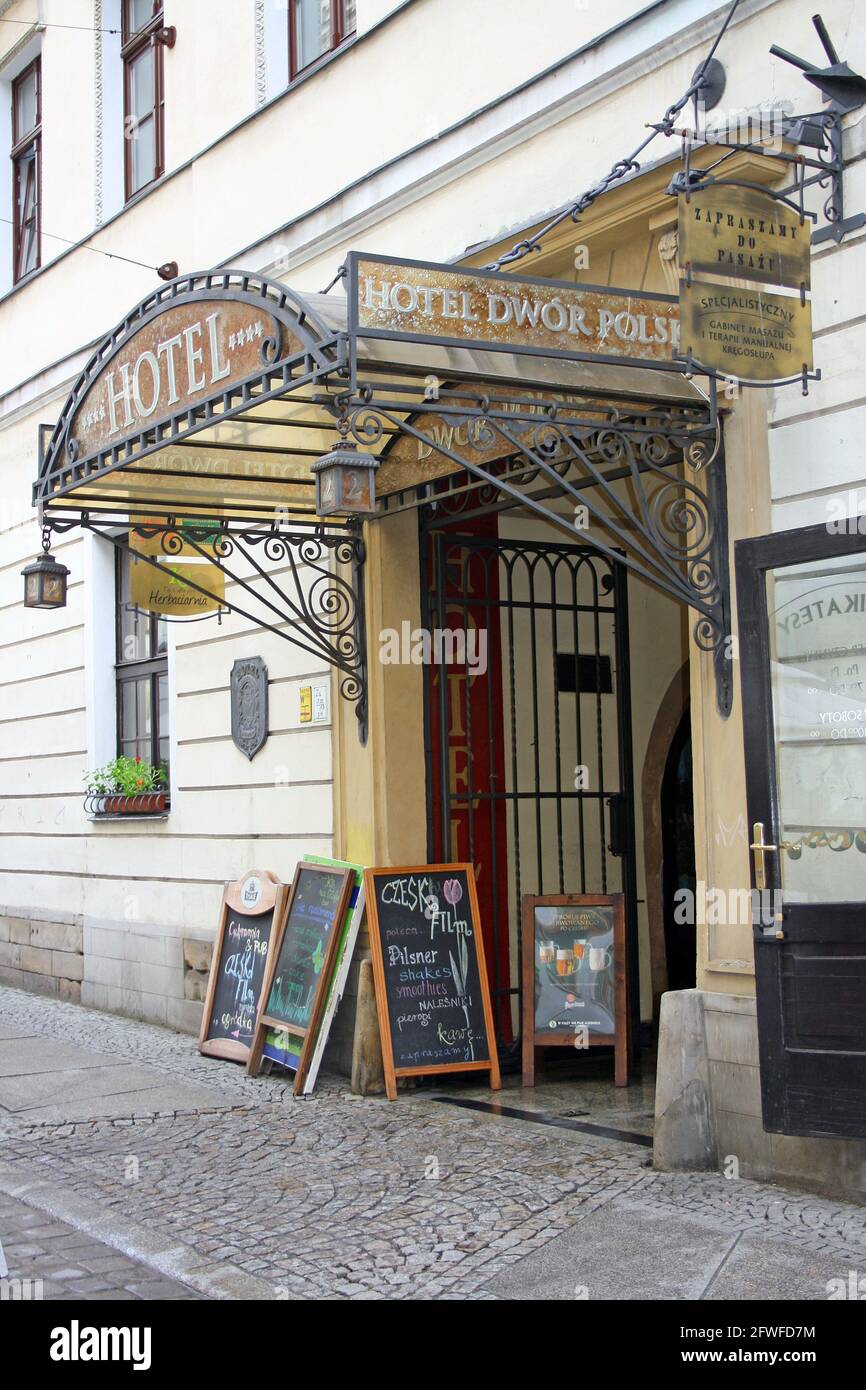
(662,525)
(609,438)
(323,616)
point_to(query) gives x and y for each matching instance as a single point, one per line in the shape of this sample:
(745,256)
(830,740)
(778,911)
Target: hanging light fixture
(345,478)
(45,579)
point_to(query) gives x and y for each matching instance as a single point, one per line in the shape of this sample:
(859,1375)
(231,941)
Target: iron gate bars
(316,608)
(503,747)
(674,536)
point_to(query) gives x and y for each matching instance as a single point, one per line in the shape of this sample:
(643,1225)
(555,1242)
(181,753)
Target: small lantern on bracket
(45,579)
(345,479)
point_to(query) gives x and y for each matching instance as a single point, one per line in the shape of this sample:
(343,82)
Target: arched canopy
(216,395)
(220,390)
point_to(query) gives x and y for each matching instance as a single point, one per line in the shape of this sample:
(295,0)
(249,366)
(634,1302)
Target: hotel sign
(182,355)
(488,311)
(745,259)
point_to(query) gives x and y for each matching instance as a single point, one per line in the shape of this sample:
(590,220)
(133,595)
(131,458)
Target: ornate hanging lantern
(45,579)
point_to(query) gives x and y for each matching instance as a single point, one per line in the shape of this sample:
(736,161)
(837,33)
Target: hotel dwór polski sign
(489,311)
(740,250)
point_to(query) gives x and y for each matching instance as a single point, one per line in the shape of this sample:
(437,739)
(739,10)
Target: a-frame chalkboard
(303,960)
(432,996)
(251,914)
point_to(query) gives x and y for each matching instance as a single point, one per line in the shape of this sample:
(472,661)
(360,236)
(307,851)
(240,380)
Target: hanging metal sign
(744,234)
(398,299)
(166,588)
(740,249)
(747,333)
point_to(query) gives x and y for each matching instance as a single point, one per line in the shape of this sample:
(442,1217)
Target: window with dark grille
(317,27)
(142,676)
(143,93)
(27,167)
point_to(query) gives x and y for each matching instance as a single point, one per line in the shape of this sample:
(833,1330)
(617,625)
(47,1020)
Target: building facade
(590,753)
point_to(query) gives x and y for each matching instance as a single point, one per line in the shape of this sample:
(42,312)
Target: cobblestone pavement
(47,1259)
(338,1197)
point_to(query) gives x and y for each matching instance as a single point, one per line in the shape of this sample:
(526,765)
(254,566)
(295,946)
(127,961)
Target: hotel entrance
(529,746)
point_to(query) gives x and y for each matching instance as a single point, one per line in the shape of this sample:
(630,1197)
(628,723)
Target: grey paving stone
(618,1249)
(31,1056)
(761,1270)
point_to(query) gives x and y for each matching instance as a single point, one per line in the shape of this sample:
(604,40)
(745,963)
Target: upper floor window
(317,26)
(26,167)
(143,93)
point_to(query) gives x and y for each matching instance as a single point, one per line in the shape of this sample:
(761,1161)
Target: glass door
(802,607)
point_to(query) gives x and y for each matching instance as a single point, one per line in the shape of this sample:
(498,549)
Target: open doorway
(529,772)
(678,859)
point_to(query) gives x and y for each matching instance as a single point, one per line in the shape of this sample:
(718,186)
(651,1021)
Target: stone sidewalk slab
(44,1081)
(117,1091)
(757,1269)
(618,1249)
(30,1056)
(624,1250)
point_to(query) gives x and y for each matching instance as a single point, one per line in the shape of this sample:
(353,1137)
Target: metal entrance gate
(528,737)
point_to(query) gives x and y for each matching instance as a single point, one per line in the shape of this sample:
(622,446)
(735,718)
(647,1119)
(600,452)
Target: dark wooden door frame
(844,921)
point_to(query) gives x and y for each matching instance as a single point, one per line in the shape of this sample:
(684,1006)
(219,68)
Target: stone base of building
(154,973)
(708,1103)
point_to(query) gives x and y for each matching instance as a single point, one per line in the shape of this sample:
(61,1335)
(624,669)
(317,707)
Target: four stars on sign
(245,335)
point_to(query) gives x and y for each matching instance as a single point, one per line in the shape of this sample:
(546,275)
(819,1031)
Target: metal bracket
(316,608)
(671,532)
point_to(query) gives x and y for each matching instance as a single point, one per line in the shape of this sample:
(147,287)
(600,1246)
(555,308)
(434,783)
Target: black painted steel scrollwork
(314,600)
(627,475)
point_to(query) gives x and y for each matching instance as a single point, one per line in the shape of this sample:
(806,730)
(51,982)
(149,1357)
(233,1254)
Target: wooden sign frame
(620,1038)
(265,1020)
(341,976)
(392,1072)
(274,894)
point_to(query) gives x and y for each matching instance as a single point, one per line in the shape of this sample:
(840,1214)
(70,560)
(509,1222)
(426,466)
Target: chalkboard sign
(428,965)
(299,977)
(242,951)
(574,976)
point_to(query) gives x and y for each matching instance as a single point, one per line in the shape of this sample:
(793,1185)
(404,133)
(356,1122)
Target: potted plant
(127,786)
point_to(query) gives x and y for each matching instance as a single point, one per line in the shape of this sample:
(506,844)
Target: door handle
(760,849)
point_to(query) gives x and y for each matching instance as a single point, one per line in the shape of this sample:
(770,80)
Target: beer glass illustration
(565,961)
(599,958)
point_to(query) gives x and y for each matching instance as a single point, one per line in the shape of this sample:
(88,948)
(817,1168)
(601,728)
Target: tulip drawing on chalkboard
(461,984)
(452,889)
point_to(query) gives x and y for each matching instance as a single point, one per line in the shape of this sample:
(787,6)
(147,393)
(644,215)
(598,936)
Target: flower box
(116,804)
(126,787)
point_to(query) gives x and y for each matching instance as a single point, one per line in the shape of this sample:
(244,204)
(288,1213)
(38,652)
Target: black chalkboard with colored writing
(304,958)
(428,960)
(242,951)
(315,914)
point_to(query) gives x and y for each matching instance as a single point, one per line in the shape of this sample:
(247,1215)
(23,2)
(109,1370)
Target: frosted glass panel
(818,651)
